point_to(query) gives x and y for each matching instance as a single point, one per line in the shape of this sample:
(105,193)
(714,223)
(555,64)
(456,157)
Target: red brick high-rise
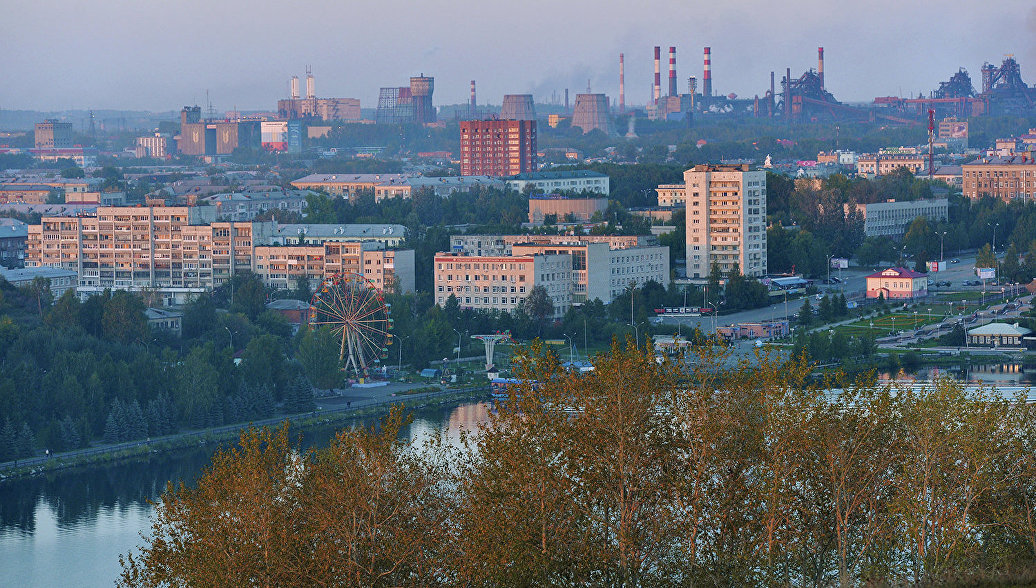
(497,147)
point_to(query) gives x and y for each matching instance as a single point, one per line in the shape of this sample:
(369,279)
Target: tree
(39,290)
(124,319)
(318,354)
(985,257)
(805,317)
(825,310)
(539,305)
(365,511)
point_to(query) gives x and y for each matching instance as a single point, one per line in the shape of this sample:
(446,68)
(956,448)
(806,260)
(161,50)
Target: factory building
(52,134)
(407,105)
(726,220)
(497,148)
(1006,178)
(296,107)
(591,113)
(518,107)
(207,138)
(502,283)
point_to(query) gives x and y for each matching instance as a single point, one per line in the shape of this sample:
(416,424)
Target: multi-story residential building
(281,266)
(24,193)
(671,195)
(61,280)
(564,209)
(444,186)
(13,234)
(246,205)
(600,272)
(892,218)
(156,146)
(497,148)
(501,244)
(183,251)
(552,182)
(52,134)
(880,165)
(725,220)
(350,186)
(1006,178)
(502,282)
(303,234)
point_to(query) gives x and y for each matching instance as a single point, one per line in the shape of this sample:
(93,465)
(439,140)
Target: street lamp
(231,337)
(458,343)
(570,346)
(400,340)
(942,258)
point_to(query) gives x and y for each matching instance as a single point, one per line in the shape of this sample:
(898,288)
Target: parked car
(954,261)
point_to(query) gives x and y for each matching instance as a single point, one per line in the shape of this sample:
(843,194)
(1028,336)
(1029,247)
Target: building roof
(900,272)
(558,175)
(287,304)
(315,231)
(459,181)
(11,227)
(24,187)
(380,179)
(154,314)
(997,329)
(26,274)
(1005,160)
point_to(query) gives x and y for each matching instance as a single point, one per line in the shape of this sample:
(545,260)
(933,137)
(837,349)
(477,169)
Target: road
(853,285)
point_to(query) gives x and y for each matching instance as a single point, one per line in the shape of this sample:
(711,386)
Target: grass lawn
(898,321)
(958,296)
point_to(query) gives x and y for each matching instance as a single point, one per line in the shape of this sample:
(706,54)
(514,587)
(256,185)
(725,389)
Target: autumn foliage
(695,471)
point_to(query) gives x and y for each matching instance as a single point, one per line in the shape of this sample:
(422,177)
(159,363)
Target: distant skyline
(126,54)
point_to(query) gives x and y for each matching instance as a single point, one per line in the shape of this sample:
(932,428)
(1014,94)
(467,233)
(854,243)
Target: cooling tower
(421,89)
(518,107)
(591,112)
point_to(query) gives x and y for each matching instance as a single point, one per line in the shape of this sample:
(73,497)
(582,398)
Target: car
(954,261)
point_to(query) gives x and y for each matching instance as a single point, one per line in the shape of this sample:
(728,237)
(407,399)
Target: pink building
(897,283)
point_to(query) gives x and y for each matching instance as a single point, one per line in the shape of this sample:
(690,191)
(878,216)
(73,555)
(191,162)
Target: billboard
(986,273)
(933,266)
(839,263)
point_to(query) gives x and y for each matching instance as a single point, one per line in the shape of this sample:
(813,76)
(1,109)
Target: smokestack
(473,103)
(672,71)
(311,91)
(773,98)
(706,89)
(566,100)
(294,87)
(657,88)
(692,86)
(787,94)
(622,83)
(820,66)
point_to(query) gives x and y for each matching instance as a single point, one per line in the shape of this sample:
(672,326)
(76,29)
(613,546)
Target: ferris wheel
(355,310)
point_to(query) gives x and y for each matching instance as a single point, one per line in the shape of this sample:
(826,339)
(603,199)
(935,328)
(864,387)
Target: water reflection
(991,374)
(82,519)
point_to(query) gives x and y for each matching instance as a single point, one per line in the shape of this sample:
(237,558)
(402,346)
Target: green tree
(985,257)
(805,317)
(124,319)
(318,353)
(539,305)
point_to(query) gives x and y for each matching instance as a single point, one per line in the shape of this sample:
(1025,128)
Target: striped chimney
(658,77)
(706,88)
(672,71)
(473,103)
(820,65)
(622,83)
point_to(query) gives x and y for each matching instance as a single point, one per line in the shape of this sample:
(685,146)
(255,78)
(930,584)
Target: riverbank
(323,416)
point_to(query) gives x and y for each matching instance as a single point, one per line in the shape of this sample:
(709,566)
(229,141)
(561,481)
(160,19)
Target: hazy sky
(160,55)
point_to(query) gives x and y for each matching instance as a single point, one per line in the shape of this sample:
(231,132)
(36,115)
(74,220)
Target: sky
(160,55)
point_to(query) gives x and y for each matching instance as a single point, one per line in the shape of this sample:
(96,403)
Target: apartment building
(497,148)
(1006,178)
(547,182)
(183,251)
(565,210)
(880,165)
(671,195)
(600,272)
(281,266)
(892,218)
(350,186)
(501,244)
(726,220)
(486,282)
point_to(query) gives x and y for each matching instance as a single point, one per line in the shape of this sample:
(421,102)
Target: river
(68,528)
